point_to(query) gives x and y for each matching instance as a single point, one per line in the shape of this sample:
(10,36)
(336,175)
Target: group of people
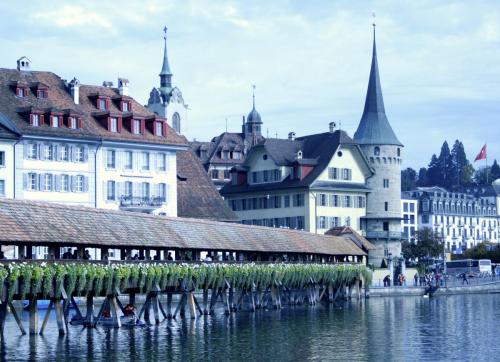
(432,278)
(69,255)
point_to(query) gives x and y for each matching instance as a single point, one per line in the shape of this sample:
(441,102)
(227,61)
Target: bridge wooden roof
(38,223)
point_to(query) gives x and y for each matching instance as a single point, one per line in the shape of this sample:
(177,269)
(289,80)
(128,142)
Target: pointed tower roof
(165,69)
(254,116)
(374,127)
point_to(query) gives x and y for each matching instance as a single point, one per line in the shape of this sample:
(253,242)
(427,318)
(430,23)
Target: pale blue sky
(439,61)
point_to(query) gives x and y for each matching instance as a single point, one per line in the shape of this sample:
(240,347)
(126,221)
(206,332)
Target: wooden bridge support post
(89,318)
(47,314)
(33,316)
(191,305)
(205,301)
(61,325)
(16,317)
(169,305)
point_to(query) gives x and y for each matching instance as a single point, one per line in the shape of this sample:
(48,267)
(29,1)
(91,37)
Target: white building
(462,220)
(409,216)
(311,183)
(84,145)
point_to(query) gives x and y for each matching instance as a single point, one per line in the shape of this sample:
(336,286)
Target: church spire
(165,74)
(374,127)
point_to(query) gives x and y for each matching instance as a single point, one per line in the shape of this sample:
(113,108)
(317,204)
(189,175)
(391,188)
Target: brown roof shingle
(44,223)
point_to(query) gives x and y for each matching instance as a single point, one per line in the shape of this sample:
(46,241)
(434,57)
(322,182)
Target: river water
(454,328)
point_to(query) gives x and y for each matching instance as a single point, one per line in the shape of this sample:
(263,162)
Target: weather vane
(165,32)
(373,17)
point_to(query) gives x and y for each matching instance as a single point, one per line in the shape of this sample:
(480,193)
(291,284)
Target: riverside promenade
(452,287)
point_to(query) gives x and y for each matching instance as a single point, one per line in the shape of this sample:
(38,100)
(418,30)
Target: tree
(495,171)
(483,251)
(433,173)
(467,173)
(445,178)
(429,244)
(458,164)
(481,176)
(408,179)
(422,177)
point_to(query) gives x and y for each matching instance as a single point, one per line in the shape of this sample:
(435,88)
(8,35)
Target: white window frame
(136,126)
(129,189)
(110,190)
(159,128)
(64,153)
(49,153)
(48,181)
(32,151)
(79,154)
(110,159)
(32,181)
(65,183)
(145,186)
(35,120)
(162,162)
(162,191)
(146,166)
(101,104)
(113,124)
(79,183)
(72,123)
(125,107)
(127,165)
(55,122)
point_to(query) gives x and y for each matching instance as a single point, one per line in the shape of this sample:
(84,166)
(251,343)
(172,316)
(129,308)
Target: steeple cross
(165,32)
(253,95)
(373,17)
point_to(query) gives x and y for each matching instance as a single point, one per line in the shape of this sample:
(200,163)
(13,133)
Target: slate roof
(226,141)
(196,194)
(46,224)
(374,127)
(318,147)
(60,99)
(349,233)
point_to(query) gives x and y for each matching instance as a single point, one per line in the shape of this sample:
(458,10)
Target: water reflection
(389,329)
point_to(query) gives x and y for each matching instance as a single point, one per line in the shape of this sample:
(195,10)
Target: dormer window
(21,92)
(126,106)
(102,104)
(159,128)
(42,93)
(136,126)
(35,120)
(113,124)
(54,121)
(72,123)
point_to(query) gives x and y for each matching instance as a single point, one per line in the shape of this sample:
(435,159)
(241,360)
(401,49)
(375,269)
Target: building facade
(382,223)
(229,149)
(409,216)
(166,100)
(309,183)
(462,220)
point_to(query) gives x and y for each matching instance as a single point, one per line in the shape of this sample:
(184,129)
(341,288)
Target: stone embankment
(397,291)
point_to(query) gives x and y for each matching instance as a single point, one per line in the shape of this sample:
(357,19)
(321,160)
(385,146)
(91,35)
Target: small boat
(126,321)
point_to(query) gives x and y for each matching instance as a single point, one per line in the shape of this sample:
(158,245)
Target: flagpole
(486,159)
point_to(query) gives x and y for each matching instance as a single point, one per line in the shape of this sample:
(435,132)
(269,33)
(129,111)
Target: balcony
(385,235)
(141,204)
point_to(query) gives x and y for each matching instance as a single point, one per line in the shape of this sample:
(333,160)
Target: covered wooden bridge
(28,224)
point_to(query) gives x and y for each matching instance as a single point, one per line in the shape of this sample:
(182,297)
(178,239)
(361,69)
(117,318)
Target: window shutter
(57,183)
(164,129)
(41,119)
(85,184)
(61,121)
(41,151)
(50,120)
(25,150)
(166,192)
(85,154)
(72,154)
(41,182)
(155,161)
(79,123)
(31,119)
(119,124)
(72,183)
(143,126)
(109,123)
(55,152)
(25,181)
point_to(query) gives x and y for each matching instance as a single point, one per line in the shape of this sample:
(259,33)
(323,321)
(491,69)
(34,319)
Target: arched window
(176,122)
(376,151)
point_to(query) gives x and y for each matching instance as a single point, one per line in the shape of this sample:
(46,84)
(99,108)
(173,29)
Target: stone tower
(252,129)
(166,101)
(382,148)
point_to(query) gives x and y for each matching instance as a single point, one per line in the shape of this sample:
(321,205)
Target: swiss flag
(481,155)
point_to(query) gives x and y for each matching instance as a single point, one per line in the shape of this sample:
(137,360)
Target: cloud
(73,16)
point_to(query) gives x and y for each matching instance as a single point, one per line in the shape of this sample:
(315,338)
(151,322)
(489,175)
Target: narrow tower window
(376,151)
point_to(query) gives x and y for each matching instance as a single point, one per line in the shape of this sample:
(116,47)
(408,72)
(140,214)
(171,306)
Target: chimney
(107,84)
(332,126)
(123,86)
(291,136)
(74,88)
(23,64)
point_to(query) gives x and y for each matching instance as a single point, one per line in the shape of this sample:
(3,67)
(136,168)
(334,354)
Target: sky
(310,60)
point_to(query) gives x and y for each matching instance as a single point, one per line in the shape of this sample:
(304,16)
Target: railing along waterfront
(261,285)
